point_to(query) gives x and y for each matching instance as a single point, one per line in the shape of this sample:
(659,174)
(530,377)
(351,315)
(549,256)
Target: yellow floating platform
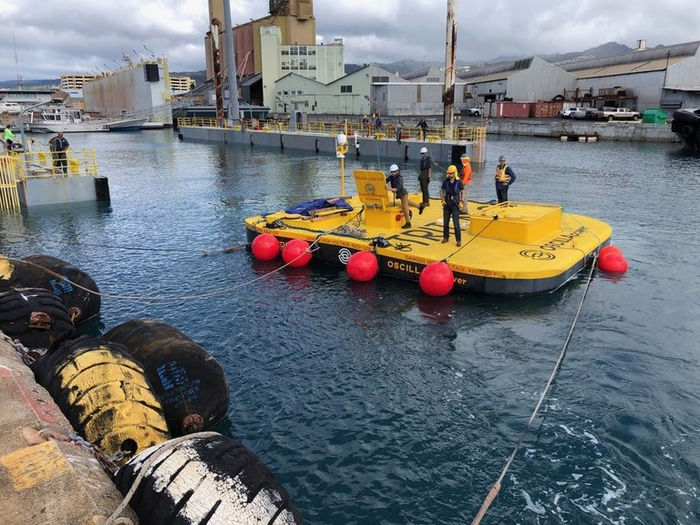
(508,248)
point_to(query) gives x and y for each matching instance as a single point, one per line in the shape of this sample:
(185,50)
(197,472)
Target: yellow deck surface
(499,240)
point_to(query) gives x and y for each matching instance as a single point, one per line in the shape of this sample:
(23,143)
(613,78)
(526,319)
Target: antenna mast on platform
(20,84)
(448,93)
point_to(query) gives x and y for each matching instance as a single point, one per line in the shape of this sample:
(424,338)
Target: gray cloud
(82,36)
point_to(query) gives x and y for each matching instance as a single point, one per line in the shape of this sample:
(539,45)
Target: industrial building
(362,92)
(180,85)
(666,77)
(140,89)
(297,27)
(526,80)
(73,81)
(323,63)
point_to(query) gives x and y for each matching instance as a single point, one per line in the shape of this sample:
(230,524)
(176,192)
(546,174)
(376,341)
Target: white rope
(497,485)
(164,447)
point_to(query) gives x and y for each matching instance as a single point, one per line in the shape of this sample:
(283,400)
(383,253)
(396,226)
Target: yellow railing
(9,196)
(49,164)
(476,134)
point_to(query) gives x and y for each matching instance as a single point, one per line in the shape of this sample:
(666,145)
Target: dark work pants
(502,194)
(424,181)
(447,212)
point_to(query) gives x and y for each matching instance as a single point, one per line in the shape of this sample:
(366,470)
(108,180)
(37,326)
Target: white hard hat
(424,150)
(393,167)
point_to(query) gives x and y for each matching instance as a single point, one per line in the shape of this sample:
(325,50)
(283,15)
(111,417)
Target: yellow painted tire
(104,394)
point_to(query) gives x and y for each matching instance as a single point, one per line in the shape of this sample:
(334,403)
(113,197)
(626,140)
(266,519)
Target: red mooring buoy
(606,250)
(436,279)
(613,263)
(265,247)
(362,266)
(296,253)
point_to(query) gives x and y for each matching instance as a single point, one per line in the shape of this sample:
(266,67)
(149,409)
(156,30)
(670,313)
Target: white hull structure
(69,120)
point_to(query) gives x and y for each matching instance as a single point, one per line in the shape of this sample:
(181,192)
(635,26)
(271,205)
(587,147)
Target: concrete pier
(365,147)
(443,151)
(627,131)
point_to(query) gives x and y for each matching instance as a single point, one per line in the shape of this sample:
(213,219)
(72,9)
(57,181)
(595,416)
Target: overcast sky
(82,36)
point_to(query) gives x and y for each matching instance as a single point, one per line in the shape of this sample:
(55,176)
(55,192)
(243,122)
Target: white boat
(71,120)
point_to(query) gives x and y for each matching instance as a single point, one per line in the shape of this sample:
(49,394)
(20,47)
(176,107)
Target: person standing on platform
(58,145)
(378,124)
(424,170)
(399,131)
(504,177)
(9,137)
(452,195)
(466,178)
(395,185)
(423,125)
(365,125)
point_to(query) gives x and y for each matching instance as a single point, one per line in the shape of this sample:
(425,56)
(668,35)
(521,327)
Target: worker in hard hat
(424,171)
(452,196)
(466,178)
(395,185)
(504,177)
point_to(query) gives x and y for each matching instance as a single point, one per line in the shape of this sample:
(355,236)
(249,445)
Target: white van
(10,107)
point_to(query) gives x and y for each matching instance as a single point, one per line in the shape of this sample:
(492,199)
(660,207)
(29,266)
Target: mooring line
(214,293)
(131,248)
(497,485)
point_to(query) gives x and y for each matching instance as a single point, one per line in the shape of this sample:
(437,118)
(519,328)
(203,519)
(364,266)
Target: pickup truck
(611,114)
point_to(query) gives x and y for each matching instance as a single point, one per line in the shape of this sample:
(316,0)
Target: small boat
(72,120)
(510,248)
(686,124)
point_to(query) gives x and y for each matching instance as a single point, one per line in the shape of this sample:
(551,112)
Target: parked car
(610,114)
(569,112)
(475,112)
(584,113)
(10,107)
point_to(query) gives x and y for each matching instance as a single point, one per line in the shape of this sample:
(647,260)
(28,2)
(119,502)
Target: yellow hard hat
(452,169)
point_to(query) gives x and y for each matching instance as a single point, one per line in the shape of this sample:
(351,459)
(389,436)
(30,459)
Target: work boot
(444,241)
(420,208)
(405,226)
(459,243)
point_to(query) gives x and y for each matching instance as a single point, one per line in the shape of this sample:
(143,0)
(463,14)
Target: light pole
(341,148)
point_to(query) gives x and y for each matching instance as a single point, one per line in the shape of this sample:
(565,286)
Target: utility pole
(448,93)
(215,33)
(233,110)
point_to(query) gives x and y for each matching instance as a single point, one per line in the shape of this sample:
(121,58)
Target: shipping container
(512,110)
(545,109)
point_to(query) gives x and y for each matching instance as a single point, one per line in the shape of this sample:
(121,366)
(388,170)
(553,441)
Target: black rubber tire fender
(215,457)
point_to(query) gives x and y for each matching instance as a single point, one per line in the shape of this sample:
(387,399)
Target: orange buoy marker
(296,253)
(606,250)
(613,263)
(362,266)
(265,247)
(436,279)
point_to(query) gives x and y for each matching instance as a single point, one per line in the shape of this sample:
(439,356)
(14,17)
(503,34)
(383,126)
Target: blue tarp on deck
(307,207)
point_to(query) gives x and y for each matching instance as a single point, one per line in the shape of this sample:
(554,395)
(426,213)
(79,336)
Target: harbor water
(373,403)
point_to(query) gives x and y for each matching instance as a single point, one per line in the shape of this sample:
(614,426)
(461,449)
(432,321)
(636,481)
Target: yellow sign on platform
(371,188)
(30,466)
